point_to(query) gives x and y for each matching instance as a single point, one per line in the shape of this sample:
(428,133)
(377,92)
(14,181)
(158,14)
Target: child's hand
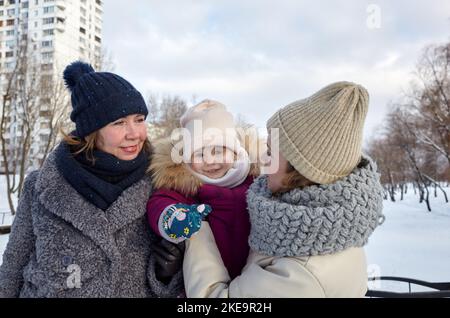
(179,221)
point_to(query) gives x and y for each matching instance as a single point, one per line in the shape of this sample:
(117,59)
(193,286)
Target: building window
(10,44)
(47,67)
(83,30)
(48,32)
(49,9)
(47,44)
(11,12)
(10,22)
(9,54)
(44,113)
(48,20)
(98,39)
(9,65)
(47,55)
(10,32)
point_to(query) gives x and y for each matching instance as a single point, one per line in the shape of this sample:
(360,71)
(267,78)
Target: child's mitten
(179,221)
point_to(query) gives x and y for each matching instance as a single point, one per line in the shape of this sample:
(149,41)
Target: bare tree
(55,96)
(415,147)
(164,114)
(34,104)
(20,110)
(432,99)
(105,62)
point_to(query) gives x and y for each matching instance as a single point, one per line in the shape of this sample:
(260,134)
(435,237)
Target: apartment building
(54,33)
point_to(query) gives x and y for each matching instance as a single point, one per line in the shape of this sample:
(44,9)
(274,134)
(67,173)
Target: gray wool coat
(63,246)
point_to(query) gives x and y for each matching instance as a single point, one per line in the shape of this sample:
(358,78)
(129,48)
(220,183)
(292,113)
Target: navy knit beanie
(99,98)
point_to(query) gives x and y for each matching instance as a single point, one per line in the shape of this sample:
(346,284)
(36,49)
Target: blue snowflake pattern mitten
(180,221)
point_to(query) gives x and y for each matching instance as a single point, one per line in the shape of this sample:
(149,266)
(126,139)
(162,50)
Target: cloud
(257,56)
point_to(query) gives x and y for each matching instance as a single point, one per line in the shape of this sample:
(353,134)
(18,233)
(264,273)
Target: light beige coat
(342,274)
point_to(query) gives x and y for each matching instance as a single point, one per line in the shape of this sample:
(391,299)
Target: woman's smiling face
(123,138)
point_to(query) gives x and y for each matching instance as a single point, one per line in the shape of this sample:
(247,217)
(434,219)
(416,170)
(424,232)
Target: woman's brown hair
(294,180)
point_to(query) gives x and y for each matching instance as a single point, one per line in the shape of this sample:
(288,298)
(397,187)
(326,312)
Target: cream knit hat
(209,124)
(321,136)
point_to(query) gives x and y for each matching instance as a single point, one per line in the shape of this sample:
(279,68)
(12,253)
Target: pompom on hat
(99,98)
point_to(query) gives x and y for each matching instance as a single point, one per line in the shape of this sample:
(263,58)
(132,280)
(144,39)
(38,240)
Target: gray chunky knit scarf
(316,220)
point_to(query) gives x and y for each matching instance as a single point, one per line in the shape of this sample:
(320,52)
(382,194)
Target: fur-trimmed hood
(167,174)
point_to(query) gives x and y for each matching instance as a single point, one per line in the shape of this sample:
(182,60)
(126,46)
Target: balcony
(60,23)
(61,4)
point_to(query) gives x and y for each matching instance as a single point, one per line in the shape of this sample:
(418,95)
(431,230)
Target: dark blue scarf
(103,182)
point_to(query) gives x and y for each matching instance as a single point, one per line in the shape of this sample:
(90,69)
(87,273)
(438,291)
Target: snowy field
(411,242)
(4,218)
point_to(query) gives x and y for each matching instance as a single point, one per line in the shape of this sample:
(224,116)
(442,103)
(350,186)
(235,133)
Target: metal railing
(440,290)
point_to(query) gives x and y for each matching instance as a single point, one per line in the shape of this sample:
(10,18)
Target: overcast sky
(256,56)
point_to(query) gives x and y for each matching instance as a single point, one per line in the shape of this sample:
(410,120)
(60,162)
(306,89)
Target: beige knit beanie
(321,136)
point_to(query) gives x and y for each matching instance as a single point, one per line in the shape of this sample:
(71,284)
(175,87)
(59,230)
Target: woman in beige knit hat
(311,218)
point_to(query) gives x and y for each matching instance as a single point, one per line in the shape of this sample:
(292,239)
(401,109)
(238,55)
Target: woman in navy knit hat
(80,228)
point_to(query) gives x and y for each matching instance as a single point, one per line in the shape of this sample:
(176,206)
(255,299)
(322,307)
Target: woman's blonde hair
(88,144)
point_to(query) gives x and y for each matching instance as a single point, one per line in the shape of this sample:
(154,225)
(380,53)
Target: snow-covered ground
(411,242)
(3,241)
(4,218)
(4,206)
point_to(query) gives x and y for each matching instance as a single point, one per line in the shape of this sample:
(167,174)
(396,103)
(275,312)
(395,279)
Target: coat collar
(61,199)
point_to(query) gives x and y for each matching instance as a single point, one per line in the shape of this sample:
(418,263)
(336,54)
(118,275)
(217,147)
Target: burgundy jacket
(229,219)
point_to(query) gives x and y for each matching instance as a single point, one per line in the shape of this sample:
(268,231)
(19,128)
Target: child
(211,181)
(312,217)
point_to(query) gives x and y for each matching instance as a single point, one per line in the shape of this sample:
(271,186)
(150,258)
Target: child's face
(213,162)
(275,180)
